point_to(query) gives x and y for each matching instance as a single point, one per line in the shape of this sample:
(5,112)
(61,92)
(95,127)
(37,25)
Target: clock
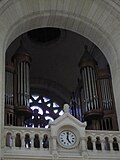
(67,138)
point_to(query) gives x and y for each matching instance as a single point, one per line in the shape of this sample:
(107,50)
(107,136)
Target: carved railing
(38,142)
(103,141)
(23,138)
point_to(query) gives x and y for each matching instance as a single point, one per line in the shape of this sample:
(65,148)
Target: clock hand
(68,137)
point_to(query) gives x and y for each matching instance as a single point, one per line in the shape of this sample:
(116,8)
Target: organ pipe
(87,67)
(23,63)
(9,85)
(21,60)
(106,92)
(93,88)
(85,94)
(96,93)
(109,121)
(9,94)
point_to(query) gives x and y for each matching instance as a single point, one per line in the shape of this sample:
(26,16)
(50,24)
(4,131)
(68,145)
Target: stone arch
(20,16)
(91,32)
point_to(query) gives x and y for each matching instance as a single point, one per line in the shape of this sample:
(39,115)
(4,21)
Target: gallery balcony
(40,143)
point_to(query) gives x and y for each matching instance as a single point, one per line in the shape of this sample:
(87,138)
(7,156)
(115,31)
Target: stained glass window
(44,110)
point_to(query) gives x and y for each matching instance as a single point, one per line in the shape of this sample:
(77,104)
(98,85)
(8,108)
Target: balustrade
(27,138)
(34,138)
(105,140)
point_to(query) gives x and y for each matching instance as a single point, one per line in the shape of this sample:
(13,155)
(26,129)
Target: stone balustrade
(40,139)
(27,138)
(103,141)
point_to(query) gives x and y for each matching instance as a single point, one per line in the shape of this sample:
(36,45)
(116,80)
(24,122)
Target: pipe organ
(92,101)
(22,63)
(105,89)
(75,103)
(107,100)
(9,95)
(19,82)
(95,95)
(92,108)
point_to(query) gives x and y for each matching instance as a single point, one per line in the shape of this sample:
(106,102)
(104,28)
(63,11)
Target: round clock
(67,138)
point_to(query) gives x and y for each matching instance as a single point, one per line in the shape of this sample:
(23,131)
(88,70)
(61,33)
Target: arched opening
(45,141)
(9,140)
(106,38)
(36,141)
(89,143)
(98,144)
(27,141)
(52,66)
(18,140)
(107,144)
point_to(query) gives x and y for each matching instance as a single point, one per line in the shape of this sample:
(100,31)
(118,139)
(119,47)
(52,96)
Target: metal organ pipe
(9,95)
(11,89)
(93,111)
(9,85)
(104,84)
(96,93)
(87,90)
(18,84)
(109,94)
(84,90)
(24,85)
(107,99)
(21,83)
(106,94)
(90,87)
(103,93)
(28,86)
(93,89)
(22,62)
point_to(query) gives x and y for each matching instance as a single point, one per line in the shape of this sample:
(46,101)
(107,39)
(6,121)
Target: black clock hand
(68,137)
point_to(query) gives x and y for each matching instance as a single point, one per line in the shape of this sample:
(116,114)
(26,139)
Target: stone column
(54,147)
(84,146)
(32,142)
(13,139)
(119,145)
(41,145)
(94,145)
(22,141)
(102,145)
(111,145)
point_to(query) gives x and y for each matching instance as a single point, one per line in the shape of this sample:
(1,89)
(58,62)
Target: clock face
(67,138)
